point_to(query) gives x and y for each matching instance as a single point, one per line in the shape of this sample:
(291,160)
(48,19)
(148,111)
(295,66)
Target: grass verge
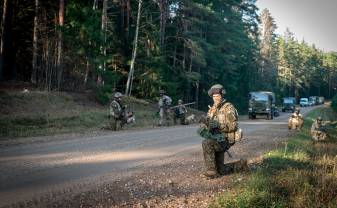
(301,174)
(41,113)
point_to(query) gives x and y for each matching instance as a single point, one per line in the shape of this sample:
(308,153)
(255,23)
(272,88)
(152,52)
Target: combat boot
(210,174)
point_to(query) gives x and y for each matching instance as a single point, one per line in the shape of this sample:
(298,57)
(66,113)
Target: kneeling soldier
(219,131)
(295,122)
(318,131)
(118,113)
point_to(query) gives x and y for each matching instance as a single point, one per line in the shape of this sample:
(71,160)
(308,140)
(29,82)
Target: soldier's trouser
(116,124)
(164,115)
(213,155)
(318,135)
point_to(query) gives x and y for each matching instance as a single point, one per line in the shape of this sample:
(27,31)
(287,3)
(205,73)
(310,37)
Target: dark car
(288,104)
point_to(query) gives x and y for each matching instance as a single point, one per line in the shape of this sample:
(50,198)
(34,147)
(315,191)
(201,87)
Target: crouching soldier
(119,115)
(318,132)
(295,121)
(219,131)
(180,112)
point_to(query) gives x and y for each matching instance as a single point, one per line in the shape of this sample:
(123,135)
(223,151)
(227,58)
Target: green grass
(42,113)
(302,174)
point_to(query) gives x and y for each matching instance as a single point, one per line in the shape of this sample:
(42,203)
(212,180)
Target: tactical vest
(226,115)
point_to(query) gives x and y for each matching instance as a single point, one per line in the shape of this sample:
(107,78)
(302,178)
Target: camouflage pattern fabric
(295,122)
(117,119)
(164,109)
(180,113)
(218,140)
(318,132)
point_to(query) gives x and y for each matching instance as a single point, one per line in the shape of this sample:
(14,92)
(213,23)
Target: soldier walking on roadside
(164,108)
(220,132)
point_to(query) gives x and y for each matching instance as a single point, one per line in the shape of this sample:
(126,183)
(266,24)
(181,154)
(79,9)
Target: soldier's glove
(212,124)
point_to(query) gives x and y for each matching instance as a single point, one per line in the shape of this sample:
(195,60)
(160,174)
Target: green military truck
(289,104)
(261,103)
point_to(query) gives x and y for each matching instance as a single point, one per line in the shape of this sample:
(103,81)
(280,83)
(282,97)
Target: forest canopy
(181,46)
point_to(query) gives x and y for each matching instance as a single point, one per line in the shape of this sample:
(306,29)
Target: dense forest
(140,46)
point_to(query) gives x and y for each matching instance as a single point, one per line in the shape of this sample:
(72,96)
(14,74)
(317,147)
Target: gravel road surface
(137,168)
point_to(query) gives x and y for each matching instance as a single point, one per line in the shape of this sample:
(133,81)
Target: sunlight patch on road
(113,157)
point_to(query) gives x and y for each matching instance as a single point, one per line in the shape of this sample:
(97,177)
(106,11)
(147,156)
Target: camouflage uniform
(295,122)
(180,113)
(117,113)
(317,131)
(164,108)
(219,133)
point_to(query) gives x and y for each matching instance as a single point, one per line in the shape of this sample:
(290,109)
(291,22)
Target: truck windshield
(259,97)
(304,100)
(288,101)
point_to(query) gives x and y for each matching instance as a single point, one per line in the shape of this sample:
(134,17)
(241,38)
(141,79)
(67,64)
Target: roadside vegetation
(300,174)
(36,113)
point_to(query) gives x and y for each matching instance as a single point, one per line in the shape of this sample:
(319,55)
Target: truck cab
(261,103)
(288,104)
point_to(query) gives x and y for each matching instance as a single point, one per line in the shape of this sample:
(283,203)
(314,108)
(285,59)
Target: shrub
(103,94)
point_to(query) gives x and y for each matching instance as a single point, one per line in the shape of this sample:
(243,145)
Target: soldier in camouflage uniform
(220,131)
(318,131)
(164,108)
(117,112)
(180,112)
(295,121)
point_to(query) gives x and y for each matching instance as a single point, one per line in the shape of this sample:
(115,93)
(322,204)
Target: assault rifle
(176,106)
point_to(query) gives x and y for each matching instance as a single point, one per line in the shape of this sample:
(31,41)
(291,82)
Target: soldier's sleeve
(111,109)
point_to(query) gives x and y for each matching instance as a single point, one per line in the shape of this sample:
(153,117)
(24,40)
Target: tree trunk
(134,53)
(163,7)
(87,72)
(33,78)
(104,29)
(2,37)
(59,64)
(5,37)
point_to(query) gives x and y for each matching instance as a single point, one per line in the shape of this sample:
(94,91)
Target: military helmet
(319,118)
(180,101)
(297,110)
(216,89)
(118,95)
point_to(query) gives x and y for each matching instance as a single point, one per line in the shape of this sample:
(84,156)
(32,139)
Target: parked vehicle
(321,100)
(313,100)
(261,103)
(304,102)
(288,104)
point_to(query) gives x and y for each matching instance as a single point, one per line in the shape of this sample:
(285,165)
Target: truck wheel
(268,116)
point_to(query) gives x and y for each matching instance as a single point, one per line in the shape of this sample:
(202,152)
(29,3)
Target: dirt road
(154,167)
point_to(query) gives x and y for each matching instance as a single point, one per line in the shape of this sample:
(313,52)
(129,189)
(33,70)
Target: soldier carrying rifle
(180,112)
(220,131)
